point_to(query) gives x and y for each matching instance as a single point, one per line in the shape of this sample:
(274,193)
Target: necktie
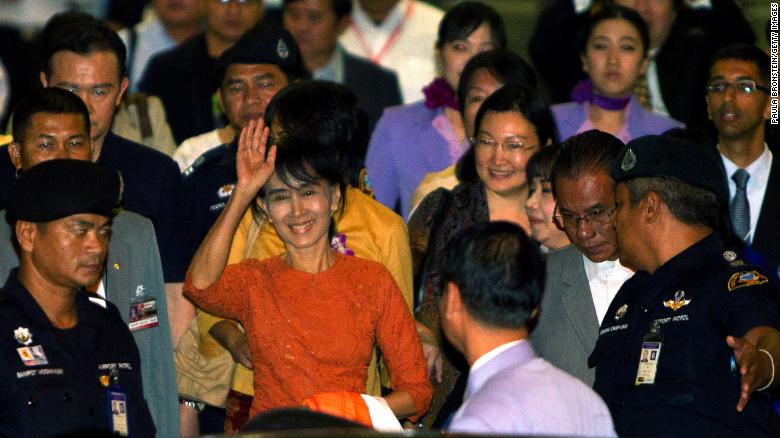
(740,208)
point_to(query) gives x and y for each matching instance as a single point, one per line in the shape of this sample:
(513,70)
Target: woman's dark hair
(328,112)
(506,66)
(540,164)
(465,17)
(305,160)
(610,12)
(526,101)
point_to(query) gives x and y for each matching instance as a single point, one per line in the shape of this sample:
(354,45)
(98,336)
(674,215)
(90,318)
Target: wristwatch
(198,406)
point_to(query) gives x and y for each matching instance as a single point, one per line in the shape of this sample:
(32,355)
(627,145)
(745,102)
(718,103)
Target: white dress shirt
(605,279)
(151,39)
(756,185)
(411,55)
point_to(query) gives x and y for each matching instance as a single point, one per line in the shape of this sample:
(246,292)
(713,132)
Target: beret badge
(282,50)
(629,160)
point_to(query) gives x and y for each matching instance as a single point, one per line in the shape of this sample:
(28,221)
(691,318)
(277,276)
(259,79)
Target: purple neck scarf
(439,93)
(583,92)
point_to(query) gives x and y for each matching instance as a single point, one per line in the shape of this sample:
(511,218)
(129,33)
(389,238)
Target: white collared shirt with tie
(756,185)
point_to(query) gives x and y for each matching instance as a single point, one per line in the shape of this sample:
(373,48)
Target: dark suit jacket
(183,78)
(376,87)
(766,237)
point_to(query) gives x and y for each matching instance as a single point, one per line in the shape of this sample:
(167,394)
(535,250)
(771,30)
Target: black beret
(274,46)
(659,155)
(56,189)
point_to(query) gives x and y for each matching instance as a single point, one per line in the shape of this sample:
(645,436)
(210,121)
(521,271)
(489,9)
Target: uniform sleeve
(380,164)
(751,302)
(400,346)
(228,296)
(397,258)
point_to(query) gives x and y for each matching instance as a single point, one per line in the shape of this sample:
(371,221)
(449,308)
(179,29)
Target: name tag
(33,356)
(143,315)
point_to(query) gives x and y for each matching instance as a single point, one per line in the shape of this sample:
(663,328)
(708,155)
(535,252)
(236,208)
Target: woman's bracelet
(772,379)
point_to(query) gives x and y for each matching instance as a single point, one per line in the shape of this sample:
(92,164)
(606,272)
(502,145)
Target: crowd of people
(374,214)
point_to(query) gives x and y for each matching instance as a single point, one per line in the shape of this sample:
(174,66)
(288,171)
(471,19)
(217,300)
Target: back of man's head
(499,274)
(589,152)
(685,176)
(47,100)
(81,34)
(326,111)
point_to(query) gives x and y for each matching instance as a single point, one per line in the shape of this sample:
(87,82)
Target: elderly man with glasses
(582,278)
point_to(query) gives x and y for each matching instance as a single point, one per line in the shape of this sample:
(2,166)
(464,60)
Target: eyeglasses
(571,221)
(744,86)
(509,147)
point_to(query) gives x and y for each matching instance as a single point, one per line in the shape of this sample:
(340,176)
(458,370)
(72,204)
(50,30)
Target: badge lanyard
(377,58)
(648,359)
(117,406)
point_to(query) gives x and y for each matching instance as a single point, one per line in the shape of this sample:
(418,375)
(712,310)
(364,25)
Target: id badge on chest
(143,315)
(649,356)
(117,406)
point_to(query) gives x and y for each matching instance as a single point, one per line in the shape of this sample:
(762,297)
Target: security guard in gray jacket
(690,344)
(68,365)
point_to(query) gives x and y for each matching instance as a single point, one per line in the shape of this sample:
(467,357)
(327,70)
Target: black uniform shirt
(59,389)
(699,297)
(209,182)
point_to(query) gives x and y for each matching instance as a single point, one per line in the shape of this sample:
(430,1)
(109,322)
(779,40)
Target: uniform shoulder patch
(209,155)
(746,279)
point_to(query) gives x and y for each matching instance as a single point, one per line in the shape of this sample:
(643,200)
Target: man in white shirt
(316,26)
(738,103)
(166,24)
(583,278)
(493,279)
(399,35)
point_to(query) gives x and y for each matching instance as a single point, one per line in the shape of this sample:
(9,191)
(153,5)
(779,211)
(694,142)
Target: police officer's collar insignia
(730,256)
(629,160)
(225,191)
(23,336)
(678,302)
(121,188)
(282,50)
(745,279)
(621,312)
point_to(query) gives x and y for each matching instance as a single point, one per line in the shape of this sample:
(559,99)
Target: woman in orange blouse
(312,315)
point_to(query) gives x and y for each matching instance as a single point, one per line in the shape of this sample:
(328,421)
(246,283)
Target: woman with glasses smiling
(614,55)
(510,126)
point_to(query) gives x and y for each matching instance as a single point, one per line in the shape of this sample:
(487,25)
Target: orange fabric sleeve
(400,346)
(226,297)
(348,405)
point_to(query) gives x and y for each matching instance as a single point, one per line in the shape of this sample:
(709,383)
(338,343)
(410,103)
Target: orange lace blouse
(314,333)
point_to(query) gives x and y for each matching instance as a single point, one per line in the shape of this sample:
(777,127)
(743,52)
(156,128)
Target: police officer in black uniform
(249,74)
(689,346)
(69,366)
